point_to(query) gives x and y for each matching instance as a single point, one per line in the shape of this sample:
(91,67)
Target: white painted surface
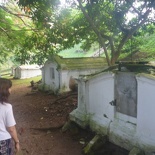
(94,95)
(27,71)
(146,109)
(53,83)
(101,93)
(66,74)
(62,77)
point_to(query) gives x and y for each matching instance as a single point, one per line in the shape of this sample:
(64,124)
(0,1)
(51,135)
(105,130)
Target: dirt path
(37,111)
(49,113)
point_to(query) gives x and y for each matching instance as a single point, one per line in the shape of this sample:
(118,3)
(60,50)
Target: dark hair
(5,84)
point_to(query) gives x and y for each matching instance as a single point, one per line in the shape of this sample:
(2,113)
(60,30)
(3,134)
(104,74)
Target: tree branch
(112,45)
(17,15)
(132,31)
(101,39)
(5,32)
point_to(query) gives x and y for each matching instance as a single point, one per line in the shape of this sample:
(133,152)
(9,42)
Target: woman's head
(5,85)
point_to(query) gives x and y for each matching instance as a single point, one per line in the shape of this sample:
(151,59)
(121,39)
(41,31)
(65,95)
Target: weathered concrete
(94,144)
(100,110)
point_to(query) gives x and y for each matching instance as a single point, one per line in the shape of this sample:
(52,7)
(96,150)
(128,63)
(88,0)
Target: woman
(7,121)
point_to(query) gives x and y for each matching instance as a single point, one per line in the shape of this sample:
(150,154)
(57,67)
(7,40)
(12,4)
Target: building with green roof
(58,72)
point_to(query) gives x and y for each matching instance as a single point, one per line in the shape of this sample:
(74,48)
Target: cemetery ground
(40,117)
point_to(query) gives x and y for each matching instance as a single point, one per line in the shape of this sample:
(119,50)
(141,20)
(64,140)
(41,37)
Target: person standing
(7,121)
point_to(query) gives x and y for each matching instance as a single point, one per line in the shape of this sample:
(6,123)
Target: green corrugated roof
(80,63)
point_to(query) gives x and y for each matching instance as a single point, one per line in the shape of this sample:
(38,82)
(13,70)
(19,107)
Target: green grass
(22,81)
(148,44)
(5,71)
(146,51)
(76,51)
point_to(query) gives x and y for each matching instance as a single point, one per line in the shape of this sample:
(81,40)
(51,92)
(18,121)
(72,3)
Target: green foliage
(148,44)
(14,27)
(86,22)
(147,38)
(77,51)
(142,45)
(23,81)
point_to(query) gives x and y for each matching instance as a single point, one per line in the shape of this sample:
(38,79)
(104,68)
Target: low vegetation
(144,52)
(22,81)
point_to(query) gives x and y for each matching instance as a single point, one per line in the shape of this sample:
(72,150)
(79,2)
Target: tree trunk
(101,39)
(114,59)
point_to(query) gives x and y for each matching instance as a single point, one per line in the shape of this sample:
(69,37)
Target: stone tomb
(120,105)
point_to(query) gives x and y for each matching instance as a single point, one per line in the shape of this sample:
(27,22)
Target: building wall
(94,97)
(62,77)
(100,93)
(26,72)
(66,74)
(97,109)
(146,109)
(17,73)
(51,77)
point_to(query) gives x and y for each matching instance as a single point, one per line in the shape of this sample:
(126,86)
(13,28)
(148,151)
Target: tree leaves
(56,28)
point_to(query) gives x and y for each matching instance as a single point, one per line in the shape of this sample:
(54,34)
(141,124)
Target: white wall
(62,77)
(94,110)
(17,73)
(28,73)
(94,96)
(101,93)
(146,109)
(52,83)
(66,74)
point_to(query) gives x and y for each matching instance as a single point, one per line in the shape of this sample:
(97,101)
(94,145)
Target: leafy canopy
(14,27)
(83,21)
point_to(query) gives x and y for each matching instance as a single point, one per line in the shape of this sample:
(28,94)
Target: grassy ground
(76,51)
(146,51)
(138,56)
(143,55)
(21,81)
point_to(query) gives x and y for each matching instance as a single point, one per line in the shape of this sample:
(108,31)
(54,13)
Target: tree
(117,29)
(87,21)
(13,29)
(23,40)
